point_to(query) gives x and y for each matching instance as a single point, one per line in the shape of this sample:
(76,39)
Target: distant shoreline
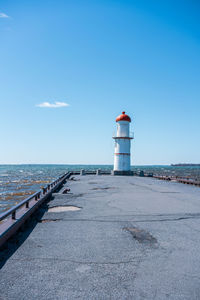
(185,165)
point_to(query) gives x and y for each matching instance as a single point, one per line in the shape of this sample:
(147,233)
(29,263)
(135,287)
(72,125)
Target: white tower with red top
(122,155)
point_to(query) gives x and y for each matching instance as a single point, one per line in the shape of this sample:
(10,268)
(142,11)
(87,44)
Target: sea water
(17,182)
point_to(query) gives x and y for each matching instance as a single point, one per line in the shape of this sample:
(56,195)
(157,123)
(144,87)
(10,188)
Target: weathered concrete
(134,238)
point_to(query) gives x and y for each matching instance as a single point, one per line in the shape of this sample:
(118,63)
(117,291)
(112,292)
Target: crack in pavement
(78,262)
(146,187)
(122,221)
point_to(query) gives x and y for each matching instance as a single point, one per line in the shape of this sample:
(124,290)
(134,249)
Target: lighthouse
(122,155)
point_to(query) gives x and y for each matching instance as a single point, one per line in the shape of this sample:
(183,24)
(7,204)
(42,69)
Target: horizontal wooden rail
(188,181)
(88,172)
(12,210)
(12,219)
(170,178)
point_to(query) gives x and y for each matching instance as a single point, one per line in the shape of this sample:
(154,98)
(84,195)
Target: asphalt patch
(142,236)
(63,208)
(104,188)
(48,220)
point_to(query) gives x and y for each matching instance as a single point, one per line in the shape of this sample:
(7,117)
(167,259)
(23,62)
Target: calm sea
(19,181)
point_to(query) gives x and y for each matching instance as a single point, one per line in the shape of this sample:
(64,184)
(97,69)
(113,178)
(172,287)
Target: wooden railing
(12,219)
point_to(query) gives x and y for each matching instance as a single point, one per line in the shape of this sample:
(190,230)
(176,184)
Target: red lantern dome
(123,117)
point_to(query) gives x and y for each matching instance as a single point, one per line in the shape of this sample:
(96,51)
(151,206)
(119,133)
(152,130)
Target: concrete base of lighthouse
(122,173)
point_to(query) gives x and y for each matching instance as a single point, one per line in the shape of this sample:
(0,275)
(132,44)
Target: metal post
(14,215)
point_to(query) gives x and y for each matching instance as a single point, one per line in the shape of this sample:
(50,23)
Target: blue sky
(99,57)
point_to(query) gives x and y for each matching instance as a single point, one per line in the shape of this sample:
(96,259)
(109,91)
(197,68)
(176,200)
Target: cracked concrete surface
(134,238)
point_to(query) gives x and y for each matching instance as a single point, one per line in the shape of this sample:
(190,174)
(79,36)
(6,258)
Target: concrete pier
(110,237)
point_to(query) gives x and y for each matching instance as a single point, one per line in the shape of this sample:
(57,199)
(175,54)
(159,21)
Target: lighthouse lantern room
(122,155)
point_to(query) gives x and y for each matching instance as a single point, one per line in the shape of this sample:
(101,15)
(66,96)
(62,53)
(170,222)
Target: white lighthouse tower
(122,155)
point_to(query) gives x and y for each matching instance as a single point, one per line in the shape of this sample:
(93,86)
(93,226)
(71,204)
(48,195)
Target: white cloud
(2,15)
(52,105)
